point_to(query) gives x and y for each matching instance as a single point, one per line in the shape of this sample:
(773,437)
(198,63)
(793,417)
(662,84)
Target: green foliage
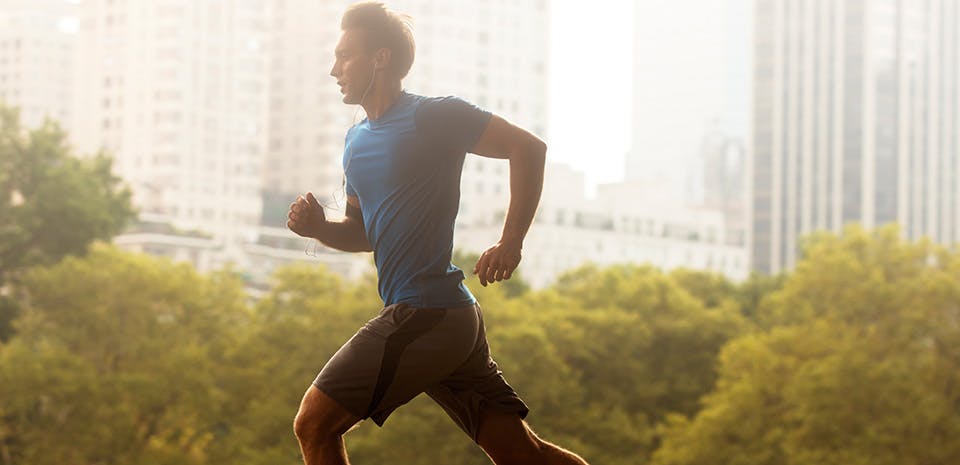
(644,347)
(62,203)
(853,359)
(860,364)
(751,293)
(713,289)
(116,360)
(51,204)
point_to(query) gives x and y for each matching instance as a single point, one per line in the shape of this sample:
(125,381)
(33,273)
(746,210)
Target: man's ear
(381,58)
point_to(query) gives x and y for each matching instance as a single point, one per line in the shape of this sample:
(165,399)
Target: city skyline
(640,98)
(587,127)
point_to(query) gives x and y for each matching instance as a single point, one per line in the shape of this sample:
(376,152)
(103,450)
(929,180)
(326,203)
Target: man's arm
(307,219)
(527,155)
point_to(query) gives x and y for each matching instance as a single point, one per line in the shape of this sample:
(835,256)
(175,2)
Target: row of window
(647,227)
(568,260)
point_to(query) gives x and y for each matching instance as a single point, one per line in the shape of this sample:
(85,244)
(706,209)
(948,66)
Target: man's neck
(381,98)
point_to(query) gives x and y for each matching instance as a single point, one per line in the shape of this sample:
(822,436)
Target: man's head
(376,44)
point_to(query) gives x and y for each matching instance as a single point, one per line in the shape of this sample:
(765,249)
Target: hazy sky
(591,95)
(692,67)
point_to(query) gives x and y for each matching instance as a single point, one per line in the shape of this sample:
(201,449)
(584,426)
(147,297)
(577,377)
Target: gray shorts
(405,351)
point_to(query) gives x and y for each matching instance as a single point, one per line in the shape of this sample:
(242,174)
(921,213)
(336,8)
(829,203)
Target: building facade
(856,119)
(37,47)
(308,120)
(626,222)
(717,180)
(177,92)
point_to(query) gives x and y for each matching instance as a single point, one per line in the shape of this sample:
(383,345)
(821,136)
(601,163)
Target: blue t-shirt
(405,169)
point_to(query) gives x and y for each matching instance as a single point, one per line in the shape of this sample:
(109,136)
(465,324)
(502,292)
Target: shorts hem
(339,402)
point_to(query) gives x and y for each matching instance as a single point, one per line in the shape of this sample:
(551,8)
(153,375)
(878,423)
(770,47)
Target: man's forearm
(526,185)
(347,235)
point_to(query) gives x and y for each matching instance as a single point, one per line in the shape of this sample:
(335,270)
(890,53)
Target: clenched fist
(306,216)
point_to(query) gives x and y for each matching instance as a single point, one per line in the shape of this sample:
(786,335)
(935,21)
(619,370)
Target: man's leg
(508,440)
(319,426)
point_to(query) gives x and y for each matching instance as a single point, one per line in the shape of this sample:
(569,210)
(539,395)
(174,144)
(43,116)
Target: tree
(51,203)
(640,345)
(122,358)
(118,359)
(859,364)
(752,292)
(710,288)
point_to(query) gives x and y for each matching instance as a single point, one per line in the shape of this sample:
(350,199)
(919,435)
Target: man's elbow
(536,149)
(540,147)
(527,149)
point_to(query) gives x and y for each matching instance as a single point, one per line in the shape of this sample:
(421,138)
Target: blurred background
(745,251)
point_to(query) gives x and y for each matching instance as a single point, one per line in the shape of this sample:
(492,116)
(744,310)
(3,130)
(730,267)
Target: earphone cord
(343,177)
(353,122)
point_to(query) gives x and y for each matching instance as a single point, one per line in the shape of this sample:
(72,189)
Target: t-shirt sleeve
(453,120)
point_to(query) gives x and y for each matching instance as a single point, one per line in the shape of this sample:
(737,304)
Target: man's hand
(306,216)
(498,262)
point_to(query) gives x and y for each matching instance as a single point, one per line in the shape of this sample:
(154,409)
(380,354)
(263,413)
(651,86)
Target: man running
(402,166)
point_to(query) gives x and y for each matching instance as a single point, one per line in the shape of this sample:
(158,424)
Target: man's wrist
(320,230)
(510,235)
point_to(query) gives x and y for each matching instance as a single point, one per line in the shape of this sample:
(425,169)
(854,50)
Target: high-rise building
(177,91)
(37,45)
(856,119)
(717,180)
(308,120)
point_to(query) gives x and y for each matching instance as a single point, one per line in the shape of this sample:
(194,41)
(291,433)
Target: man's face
(353,66)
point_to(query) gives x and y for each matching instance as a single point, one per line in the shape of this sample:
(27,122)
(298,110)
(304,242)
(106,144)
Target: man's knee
(320,418)
(310,425)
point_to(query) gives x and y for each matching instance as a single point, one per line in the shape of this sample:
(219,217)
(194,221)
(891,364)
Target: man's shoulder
(421,99)
(353,130)
(441,99)
(443,108)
